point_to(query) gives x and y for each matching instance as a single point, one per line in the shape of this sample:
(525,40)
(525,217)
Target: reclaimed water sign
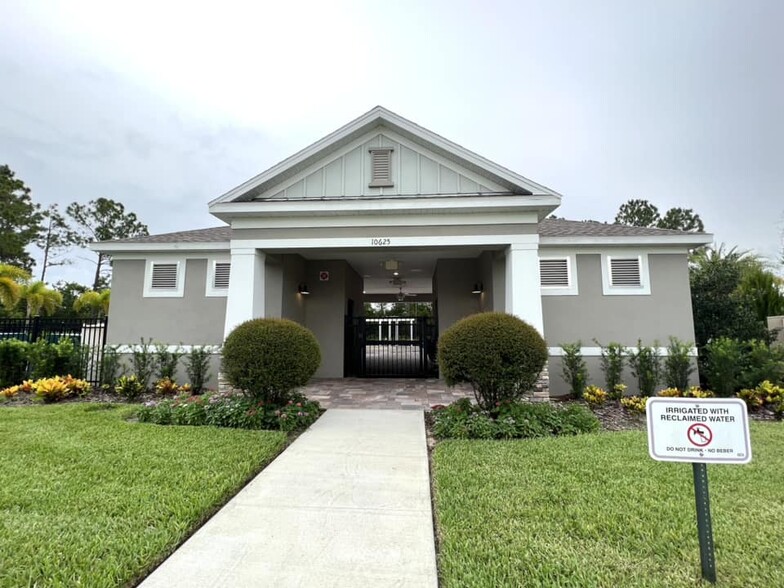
(698,430)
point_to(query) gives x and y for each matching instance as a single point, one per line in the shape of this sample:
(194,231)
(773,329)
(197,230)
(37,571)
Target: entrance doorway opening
(392,340)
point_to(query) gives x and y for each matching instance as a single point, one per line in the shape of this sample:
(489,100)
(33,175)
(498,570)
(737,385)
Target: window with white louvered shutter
(164,276)
(554,273)
(625,272)
(381,168)
(220,279)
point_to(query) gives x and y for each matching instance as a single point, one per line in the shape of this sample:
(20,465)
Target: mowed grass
(595,510)
(89,499)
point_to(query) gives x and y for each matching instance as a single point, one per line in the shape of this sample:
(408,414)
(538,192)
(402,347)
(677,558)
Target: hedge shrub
(268,358)
(512,420)
(13,362)
(498,354)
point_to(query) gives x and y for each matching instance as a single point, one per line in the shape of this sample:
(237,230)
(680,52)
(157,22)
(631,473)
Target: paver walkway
(400,393)
(347,504)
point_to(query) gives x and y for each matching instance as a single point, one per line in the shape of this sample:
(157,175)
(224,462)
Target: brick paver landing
(395,393)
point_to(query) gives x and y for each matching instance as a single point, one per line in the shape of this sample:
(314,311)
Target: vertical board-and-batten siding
(413,171)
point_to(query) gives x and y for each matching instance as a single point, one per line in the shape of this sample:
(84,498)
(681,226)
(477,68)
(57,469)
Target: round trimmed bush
(500,355)
(268,358)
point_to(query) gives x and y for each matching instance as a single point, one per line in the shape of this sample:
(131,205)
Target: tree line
(25,225)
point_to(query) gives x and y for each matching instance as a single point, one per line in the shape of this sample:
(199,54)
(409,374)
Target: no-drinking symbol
(699,435)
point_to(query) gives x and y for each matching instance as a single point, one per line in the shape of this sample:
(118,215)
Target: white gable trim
(374,117)
(390,135)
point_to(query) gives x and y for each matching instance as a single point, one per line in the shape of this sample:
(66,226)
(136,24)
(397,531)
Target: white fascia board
(386,205)
(142,247)
(688,240)
(521,241)
(398,220)
(377,116)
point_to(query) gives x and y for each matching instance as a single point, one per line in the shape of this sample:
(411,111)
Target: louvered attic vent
(164,276)
(221,277)
(381,168)
(625,272)
(554,272)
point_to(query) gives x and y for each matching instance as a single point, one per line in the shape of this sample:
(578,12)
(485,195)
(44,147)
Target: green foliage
(70,293)
(166,361)
(722,365)
(641,213)
(765,292)
(575,371)
(511,420)
(56,238)
(11,280)
(231,410)
(13,362)
(111,367)
(500,355)
(197,366)
(20,220)
(681,219)
(143,363)
(761,361)
(637,213)
(720,308)
(678,364)
(93,304)
(54,359)
(268,358)
(39,299)
(612,364)
(646,367)
(130,387)
(103,220)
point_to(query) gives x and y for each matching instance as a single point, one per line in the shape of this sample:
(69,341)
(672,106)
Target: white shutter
(625,271)
(221,277)
(554,272)
(381,168)
(164,276)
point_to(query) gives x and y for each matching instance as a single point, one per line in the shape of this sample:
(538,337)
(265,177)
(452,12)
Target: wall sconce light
(303,288)
(478,288)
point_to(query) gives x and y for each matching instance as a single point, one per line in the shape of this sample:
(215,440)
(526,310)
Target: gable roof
(380,116)
(552,231)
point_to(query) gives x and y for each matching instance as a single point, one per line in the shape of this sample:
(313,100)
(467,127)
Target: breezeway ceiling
(417,266)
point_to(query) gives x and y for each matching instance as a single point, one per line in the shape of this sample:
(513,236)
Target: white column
(246,287)
(523,293)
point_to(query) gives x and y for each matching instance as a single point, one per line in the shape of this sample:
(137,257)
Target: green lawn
(595,510)
(89,499)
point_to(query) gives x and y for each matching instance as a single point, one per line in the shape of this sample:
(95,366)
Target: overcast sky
(166,105)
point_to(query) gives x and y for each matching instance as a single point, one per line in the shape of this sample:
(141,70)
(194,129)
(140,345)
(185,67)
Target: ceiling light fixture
(478,288)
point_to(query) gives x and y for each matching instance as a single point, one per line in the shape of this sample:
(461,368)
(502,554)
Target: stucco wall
(624,319)
(455,278)
(293,303)
(324,313)
(194,319)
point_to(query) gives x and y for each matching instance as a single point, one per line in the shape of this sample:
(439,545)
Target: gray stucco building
(383,210)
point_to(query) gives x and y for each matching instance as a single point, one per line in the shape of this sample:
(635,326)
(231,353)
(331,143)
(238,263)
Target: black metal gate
(391,347)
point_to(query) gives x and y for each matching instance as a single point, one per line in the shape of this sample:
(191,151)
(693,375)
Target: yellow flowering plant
(594,395)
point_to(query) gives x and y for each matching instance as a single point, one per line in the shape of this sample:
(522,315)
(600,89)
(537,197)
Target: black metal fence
(87,335)
(393,347)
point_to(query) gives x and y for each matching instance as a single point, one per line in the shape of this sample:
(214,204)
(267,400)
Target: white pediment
(414,171)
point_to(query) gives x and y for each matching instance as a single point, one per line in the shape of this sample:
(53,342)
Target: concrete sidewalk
(347,504)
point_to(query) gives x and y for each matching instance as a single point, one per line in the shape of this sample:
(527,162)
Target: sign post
(700,431)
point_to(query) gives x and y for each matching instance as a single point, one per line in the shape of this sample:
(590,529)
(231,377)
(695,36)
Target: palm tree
(11,279)
(95,302)
(40,299)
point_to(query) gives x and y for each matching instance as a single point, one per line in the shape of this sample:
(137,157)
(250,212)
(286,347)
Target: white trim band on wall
(213,349)
(597,351)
